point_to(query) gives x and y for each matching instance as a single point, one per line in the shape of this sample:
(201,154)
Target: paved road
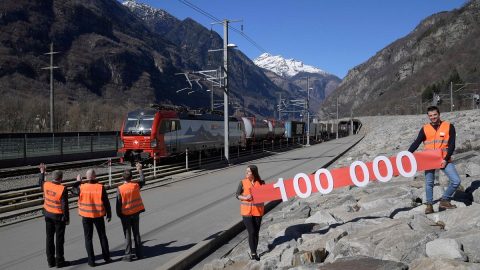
(178,215)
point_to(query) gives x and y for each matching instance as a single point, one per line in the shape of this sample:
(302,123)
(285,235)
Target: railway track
(27,202)
(57,166)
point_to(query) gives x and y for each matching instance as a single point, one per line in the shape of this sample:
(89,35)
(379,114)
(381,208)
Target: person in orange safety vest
(93,205)
(251,213)
(57,216)
(129,206)
(438,134)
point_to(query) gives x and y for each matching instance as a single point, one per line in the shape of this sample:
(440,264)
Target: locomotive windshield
(138,124)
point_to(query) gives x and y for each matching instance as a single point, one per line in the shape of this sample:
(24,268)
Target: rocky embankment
(383,225)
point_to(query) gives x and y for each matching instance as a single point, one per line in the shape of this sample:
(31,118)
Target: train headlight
(153,143)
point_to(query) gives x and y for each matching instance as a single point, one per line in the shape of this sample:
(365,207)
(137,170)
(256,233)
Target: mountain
(251,90)
(285,67)
(157,19)
(110,60)
(108,63)
(291,74)
(403,77)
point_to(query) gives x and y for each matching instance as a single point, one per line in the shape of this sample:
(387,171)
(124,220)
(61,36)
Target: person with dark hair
(251,213)
(93,205)
(129,206)
(438,134)
(57,216)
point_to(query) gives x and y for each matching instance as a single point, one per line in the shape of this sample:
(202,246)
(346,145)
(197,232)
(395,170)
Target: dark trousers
(102,235)
(55,235)
(131,224)
(253,228)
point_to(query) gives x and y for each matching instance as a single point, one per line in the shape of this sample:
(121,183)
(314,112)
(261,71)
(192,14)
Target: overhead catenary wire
(210,16)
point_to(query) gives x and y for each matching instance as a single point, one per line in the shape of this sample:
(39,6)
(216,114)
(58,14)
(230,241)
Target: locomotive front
(140,141)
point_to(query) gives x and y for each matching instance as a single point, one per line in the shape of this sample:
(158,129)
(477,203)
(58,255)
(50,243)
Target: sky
(333,35)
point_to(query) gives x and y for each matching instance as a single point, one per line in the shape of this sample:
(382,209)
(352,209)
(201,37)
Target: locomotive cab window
(138,125)
(169,126)
(175,125)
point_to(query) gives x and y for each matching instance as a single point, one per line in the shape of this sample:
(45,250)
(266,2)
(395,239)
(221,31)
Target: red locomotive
(167,131)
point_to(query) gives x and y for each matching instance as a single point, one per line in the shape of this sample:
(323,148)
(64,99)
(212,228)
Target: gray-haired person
(93,205)
(57,216)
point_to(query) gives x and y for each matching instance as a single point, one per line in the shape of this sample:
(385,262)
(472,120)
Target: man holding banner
(438,134)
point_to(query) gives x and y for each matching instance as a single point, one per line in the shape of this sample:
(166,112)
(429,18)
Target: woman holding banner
(251,213)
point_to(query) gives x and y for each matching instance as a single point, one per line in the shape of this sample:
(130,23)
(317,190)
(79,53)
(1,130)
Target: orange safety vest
(90,203)
(131,200)
(52,194)
(437,139)
(248,208)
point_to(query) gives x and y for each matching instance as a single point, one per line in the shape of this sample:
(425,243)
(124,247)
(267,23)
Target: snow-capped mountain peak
(285,67)
(147,12)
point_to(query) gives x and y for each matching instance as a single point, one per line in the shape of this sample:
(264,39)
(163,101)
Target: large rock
(445,248)
(473,169)
(281,254)
(317,246)
(465,217)
(363,263)
(377,190)
(292,210)
(420,223)
(286,258)
(385,207)
(309,257)
(332,200)
(321,217)
(287,230)
(476,195)
(384,239)
(409,213)
(469,240)
(439,263)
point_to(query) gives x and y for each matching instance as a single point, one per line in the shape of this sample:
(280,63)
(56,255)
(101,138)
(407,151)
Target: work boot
(428,209)
(445,204)
(61,264)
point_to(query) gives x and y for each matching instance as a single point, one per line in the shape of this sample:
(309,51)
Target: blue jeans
(454,182)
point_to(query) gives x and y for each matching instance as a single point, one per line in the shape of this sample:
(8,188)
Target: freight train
(165,131)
